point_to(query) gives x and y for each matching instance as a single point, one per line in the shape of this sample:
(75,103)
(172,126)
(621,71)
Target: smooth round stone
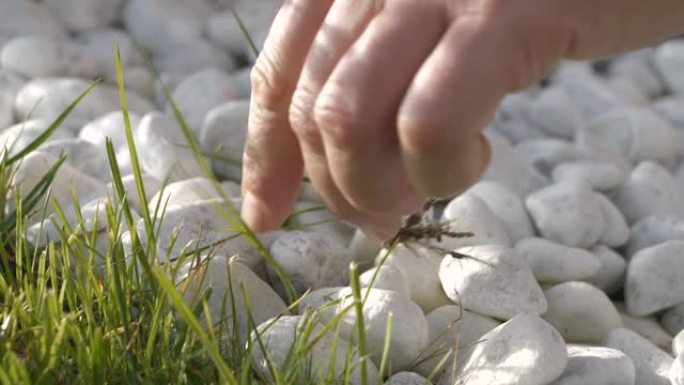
(315,217)
(17,137)
(21,17)
(409,334)
(47,98)
(553,262)
(616,230)
(628,90)
(159,24)
(678,343)
(99,45)
(546,153)
(363,248)
(591,93)
(223,135)
(638,134)
(41,56)
(637,68)
(10,84)
(190,191)
(510,168)
(277,337)
(139,79)
(163,149)
(555,111)
(651,364)
(597,366)
(524,350)
(492,280)
(507,206)
(230,282)
(647,327)
(652,230)
(151,184)
(581,313)
(669,59)
(82,15)
(454,332)
(568,213)
(653,278)
(257,16)
(516,131)
(81,155)
(600,176)
(183,59)
(670,107)
(187,228)
(407,378)
(611,273)
(387,278)
(110,125)
(242,80)
(310,260)
(468,213)
(199,93)
(420,267)
(676,373)
(516,107)
(673,319)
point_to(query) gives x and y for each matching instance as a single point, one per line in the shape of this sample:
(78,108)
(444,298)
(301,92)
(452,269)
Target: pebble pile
(575,272)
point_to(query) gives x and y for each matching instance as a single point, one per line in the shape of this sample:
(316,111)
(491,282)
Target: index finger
(272,163)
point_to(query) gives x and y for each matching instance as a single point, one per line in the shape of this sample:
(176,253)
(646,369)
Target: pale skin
(383,102)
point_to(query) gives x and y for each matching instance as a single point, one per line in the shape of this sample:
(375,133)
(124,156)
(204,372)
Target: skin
(383,102)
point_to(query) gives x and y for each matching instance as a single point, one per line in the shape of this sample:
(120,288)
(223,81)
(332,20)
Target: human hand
(383,102)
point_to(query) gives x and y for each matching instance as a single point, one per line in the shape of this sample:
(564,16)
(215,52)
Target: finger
(452,98)
(356,110)
(272,162)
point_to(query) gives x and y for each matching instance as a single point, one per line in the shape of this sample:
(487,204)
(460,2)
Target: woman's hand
(383,102)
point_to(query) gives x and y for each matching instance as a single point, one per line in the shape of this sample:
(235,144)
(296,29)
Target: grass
(84,309)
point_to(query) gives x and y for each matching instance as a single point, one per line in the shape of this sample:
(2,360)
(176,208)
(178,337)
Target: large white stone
(387,278)
(653,278)
(41,56)
(651,364)
(492,280)
(554,262)
(597,366)
(468,213)
(21,17)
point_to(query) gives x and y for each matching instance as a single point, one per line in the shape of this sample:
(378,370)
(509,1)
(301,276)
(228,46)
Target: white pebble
(17,137)
(611,274)
(223,29)
(10,84)
(602,176)
(546,153)
(568,213)
(99,45)
(651,364)
(110,125)
(21,17)
(637,68)
(647,327)
(387,278)
(81,15)
(597,366)
(678,343)
(468,213)
(39,56)
(553,262)
(406,378)
(581,313)
(669,59)
(516,131)
(183,59)
(81,155)
(676,373)
(223,135)
(187,191)
(673,319)
(616,231)
(492,280)
(652,230)
(556,112)
(653,278)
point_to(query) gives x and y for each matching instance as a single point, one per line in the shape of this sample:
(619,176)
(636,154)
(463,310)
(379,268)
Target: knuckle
(337,121)
(301,117)
(270,87)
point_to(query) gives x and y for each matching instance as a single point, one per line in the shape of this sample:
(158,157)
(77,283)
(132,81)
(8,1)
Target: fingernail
(253,213)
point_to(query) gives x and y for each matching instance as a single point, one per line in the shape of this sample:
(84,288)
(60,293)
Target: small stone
(507,206)
(676,373)
(653,279)
(40,56)
(491,280)
(597,366)
(553,262)
(387,278)
(364,249)
(468,213)
(647,327)
(651,364)
(670,107)
(188,191)
(591,93)
(516,131)
(163,149)
(310,260)
(581,313)
(223,137)
(151,185)
(556,112)
(628,90)
(199,93)
(99,45)
(230,282)
(407,378)
(616,231)
(276,338)
(511,169)
(17,137)
(420,267)
(673,319)
(184,59)
(315,217)
(82,15)
(652,230)
(223,29)
(524,350)
(47,98)
(637,68)
(10,84)
(678,343)
(546,153)
(81,155)
(21,17)
(602,176)
(611,274)
(568,213)
(455,332)
(109,126)
(669,59)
